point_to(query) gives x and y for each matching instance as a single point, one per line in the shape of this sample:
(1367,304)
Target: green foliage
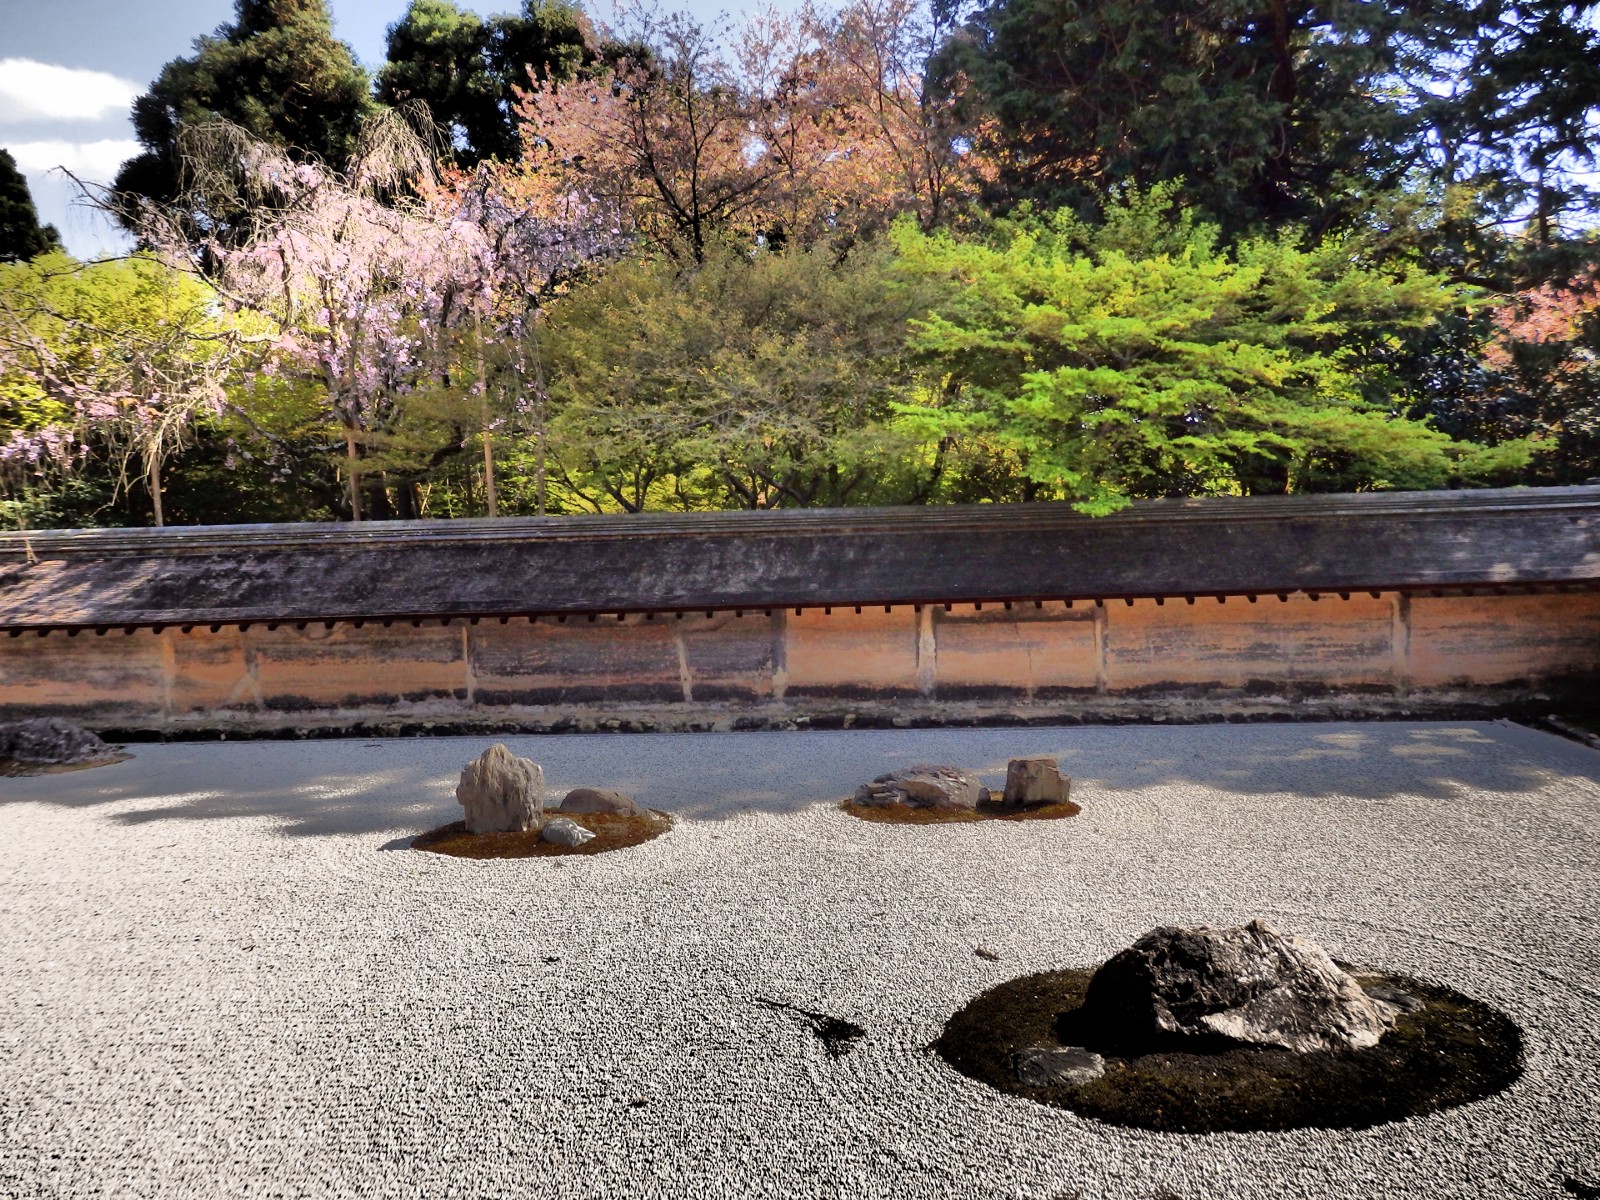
(277,72)
(105,365)
(21,235)
(1269,112)
(1141,358)
(467,68)
(759,380)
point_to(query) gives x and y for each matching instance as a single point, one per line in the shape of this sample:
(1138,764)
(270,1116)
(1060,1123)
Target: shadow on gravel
(366,786)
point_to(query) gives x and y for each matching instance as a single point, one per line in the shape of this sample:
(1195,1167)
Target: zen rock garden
(502,797)
(1204,1030)
(925,795)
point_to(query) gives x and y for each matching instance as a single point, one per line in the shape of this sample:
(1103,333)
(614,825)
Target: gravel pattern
(225,975)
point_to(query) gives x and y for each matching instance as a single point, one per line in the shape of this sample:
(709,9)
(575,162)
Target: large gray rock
(1248,984)
(1036,780)
(600,800)
(923,787)
(501,793)
(52,742)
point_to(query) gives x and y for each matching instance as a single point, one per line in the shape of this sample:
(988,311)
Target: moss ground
(1453,1051)
(612,831)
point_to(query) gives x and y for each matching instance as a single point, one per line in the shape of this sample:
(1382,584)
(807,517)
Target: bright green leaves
(1140,359)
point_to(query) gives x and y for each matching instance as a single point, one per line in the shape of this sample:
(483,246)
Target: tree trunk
(155,489)
(351,473)
(490,498)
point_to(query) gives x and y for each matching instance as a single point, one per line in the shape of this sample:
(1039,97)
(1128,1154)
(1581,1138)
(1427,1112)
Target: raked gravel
(223,974)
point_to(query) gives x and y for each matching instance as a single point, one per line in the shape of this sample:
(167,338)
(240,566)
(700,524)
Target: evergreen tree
(277,71)
(467,69)
(1271,112)
(1141,358)
(21,235)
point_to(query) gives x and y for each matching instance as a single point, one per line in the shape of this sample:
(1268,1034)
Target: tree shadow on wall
(404,785)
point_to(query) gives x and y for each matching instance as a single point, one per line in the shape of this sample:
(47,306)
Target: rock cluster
(1242,985)
(923,787)
(51,742)
(501,793)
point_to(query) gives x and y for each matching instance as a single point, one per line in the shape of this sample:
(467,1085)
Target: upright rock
(51,742)
(501,793)
(923,787)
(1036,780)
(1248,984)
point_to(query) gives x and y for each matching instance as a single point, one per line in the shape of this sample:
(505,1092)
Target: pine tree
(21,235)
(277,71)
(467,69)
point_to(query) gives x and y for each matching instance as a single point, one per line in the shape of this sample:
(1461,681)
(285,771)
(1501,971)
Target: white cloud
(36,91)
(93,162)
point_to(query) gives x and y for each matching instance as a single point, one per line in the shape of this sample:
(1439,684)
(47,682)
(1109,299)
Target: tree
(1516,113)
(1269,112)
(21,235)
(815,129)
(1139,358)
(468,70)
(1542,378)
(277,72)
(117,359)
(758,381)
(377,278)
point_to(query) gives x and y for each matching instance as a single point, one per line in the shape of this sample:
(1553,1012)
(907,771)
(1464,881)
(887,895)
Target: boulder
(601,800)
(1035,780)
(51,742)
(501,793)
(1244,985)
(1057,1066)
(564,831)
(923,787)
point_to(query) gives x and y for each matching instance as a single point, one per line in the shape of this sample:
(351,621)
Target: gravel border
(225,975)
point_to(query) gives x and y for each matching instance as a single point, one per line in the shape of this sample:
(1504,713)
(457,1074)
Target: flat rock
(501,793)
(1057,1066)
(1036,780)
(923,787)
(51,742)
(1243,985)
(563,831)
(601,800)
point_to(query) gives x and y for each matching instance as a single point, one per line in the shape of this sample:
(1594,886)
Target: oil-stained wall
(1052,653)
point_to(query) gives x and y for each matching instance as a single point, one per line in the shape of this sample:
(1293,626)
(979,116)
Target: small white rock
(564,831)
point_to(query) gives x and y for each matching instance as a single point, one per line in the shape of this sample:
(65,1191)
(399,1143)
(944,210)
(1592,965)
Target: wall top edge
(909,520)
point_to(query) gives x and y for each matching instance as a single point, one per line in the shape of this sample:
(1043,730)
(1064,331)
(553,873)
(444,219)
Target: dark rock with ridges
(52,742)
(1244,985)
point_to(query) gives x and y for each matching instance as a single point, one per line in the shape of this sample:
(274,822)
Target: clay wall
(1365,650)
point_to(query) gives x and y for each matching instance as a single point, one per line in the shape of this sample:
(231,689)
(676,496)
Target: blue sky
(69,70)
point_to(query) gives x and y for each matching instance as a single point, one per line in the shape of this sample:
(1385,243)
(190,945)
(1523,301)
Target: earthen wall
(1364,650)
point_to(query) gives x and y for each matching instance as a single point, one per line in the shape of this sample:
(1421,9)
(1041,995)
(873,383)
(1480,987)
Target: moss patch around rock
(612,831)
(905,814)
(1452,1051)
